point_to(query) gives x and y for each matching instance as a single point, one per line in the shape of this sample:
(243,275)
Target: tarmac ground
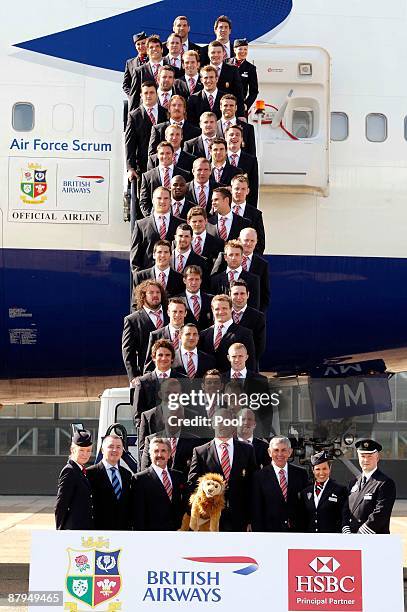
(20,515)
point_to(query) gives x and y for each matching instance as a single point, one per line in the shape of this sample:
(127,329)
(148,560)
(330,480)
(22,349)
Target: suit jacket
(326,517)
(236,515)
(185,162)
(255,216)
(73,508)
(183,454)
(256,384)
(198,85)
(193,260)
(229,81)
(157,334)
(261,452)
(190,194)
(270,510)
(205,314)
(248,75)
(205,362)
(235,333)
(256,321)
(150,181)
(248,163)
(131,65)
(174,285)
(154,511)
(220,284)
(195,146)
(145,235)
(198,104)
(260,267)
(151,422)
(228,173)
(136,332)
(111,513)
(238,223)
(249,138)
(141,74)
(368,509)
(158,134)
(146,392)
(212,246)
(137,137)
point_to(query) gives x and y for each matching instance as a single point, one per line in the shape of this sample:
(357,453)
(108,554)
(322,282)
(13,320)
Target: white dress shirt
(161,170)
(211,93)
(243,373)
(277,471)
(159,374)
(368,474)
(226,326)
(242,208)
(184,255)
(109,473)
(150,311)
(187,78)
(180,204)
(230,153)
(185,357)
(197,189)
(237,272)
(231,121)
(157,221)
(154,110)
(229,221)
(157,272)
(203,237)
(191,301)
(159,472)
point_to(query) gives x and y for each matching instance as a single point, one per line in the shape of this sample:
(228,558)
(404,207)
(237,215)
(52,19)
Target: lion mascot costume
(206,503)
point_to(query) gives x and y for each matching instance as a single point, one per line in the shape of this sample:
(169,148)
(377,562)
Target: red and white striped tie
(244,262)
(167,484)
(202,197)
(218,174)
(283,483)
(197,308)
(225,461)
(180,266)
(163,279)
(190,365)
(318,488)
(233,159)
(155,71)
(231,276)
(211,101)
(198,245)
(159,320)
(175,208)
(167,180)
(151,115)
(191,82)
(236,316)
(163,228)
(218,338)
(173,442)
(164,103)
(175,340)
(227,125)
(237,210)
(225,52)
(236,375)
(222,228)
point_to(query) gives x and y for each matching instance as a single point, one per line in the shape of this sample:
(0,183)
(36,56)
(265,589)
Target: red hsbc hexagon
(325,580)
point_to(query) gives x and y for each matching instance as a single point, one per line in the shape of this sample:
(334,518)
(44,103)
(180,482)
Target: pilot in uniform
(324,500)
(371,496)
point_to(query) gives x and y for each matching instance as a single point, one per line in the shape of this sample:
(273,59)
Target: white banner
(49,190)
(142,571)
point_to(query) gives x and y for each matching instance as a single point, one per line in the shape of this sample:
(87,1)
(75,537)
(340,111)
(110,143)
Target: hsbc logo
(325,580)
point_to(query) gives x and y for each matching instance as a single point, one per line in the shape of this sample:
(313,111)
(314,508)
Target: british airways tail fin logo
(108,43)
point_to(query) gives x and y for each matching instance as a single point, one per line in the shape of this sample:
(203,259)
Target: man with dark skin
(179,204)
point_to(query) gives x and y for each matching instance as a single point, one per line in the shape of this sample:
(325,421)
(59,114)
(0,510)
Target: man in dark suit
(222,29)
(247,71)
(138,130)
(236,462)
(168,85)
(176,314)
(74,508)
(161,224)
(218,338)
(159,501)
(228,107)
(245,433)
(188,360)
(182,27)
(220,283)
(160,176)
(208,99)
(180,158)
(226,225)
(200,146)
(240,194)
(248,163)
(200,189)
(229,79)
(147,387)
(198,303)
(324,500)
(276,491)
(148,71)
(180,205)
(222,170)
(162,272)
(371,496)
(174,55)
(111,488)
(203,242)
(151,314)
(256,265)
(191,78)
(177,114)
(140,42)
(247,316)
(183,254)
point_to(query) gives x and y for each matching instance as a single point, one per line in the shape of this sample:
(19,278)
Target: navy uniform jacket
(111,513)
(248,75)
(326,517)
(369,508)
(73,508)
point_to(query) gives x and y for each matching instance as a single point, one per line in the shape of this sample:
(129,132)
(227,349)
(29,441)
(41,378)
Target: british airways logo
(112,37)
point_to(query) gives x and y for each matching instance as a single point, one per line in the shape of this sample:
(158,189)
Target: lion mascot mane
(206,503)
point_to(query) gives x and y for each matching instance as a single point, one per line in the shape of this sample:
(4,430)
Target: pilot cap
(82,437)
(321,457)
(241,42)
(368,446)
(139,36)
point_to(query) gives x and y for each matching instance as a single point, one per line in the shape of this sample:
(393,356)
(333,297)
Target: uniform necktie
(190,365)
(174,62)
(151,115)
(283,483)
(175,159)
(163,279)
(237,210)
(236,316)
(180,266)
(155,71)
(233,159)
(167,181)
(208,144)
(167,484)
(225,52)
(196,307)
(158,317)
(236,375)
(211,101)
(218,174)
(164,103)
(222,228)
(239,63)
(318,488)
(163,229)
(116,483)
(202,197)
(83,470)
(175,340)
(225,461)
(163,375)
(363,482)
(191,82)
(231,276)
(198,244)
(244,263)
(218,337)
(227,125)
(175,208)
(173,442)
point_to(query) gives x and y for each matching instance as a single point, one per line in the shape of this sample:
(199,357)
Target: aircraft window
(376,127)
(62,117)
(23,116)
(339,126)
(103,119)
(303,123)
